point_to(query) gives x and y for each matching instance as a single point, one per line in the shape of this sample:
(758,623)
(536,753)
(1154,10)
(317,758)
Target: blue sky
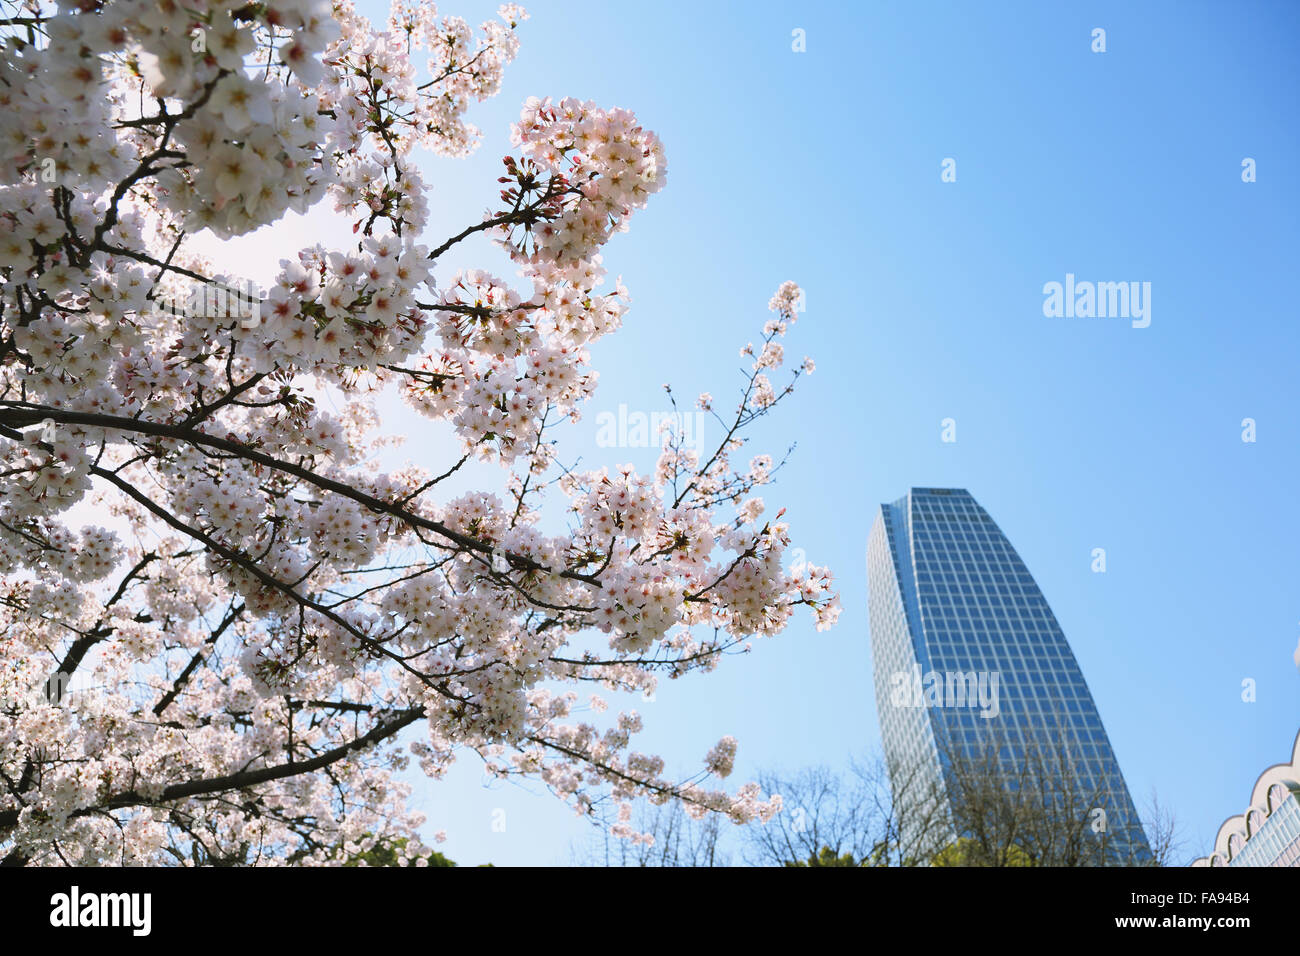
(924,302)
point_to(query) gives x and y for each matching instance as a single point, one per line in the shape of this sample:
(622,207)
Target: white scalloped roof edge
(1287,774)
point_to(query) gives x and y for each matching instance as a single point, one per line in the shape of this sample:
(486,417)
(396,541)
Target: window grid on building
(950,595)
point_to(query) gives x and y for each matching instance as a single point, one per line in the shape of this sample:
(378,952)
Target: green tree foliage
(827,857)
(386,853)
(968,852)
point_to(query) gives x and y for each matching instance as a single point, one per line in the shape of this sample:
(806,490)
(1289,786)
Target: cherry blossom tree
(271,610)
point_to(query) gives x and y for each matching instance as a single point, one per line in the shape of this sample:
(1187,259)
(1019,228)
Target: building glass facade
(1277,841)
(972,670)
(1268,833)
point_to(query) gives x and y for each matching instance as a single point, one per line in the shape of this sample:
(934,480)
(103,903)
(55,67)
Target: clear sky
(925,302)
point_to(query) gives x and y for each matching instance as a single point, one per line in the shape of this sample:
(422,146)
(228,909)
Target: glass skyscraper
(975,682)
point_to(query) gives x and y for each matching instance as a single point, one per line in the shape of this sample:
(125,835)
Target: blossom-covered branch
(225,674)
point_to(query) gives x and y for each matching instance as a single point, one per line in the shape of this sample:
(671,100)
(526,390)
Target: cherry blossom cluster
(603,164)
